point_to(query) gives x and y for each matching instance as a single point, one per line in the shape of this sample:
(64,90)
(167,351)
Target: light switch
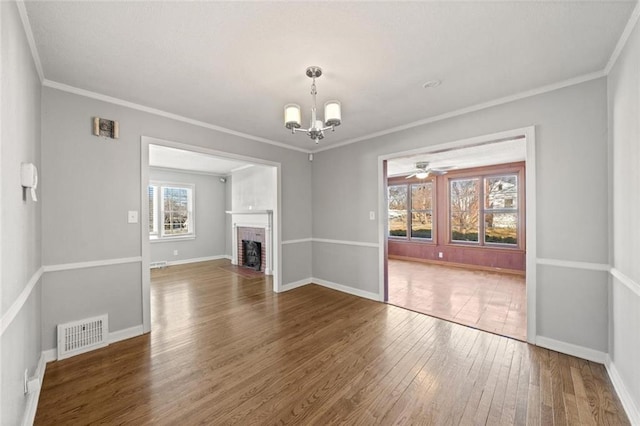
(372,215)
(132,216)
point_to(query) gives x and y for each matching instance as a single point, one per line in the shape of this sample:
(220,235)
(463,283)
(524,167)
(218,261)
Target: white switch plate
(440,255)
(132,216)
(372,215)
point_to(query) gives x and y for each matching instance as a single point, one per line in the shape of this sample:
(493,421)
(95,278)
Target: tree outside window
(422,210)
(170,210)
(397,196)
(464,208)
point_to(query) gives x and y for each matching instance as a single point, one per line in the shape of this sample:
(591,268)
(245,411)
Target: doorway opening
(201,205)
(456,233)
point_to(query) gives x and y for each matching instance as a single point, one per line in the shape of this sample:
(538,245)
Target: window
(498,209)
(170,210)
(501,209)
(411,210)
(398,210)
(464,197)
(421,210)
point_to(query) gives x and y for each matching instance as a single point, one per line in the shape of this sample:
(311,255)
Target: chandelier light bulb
(292,116)
(332,113)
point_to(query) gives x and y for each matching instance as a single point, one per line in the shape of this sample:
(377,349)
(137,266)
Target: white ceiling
(172,158)
(235,64)
(462,158)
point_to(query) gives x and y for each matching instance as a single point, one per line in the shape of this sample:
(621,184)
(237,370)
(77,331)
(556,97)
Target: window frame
(450,239)
(159,235)
(408,183)
(483,173)
(399,237)
(515,210)
(411,210)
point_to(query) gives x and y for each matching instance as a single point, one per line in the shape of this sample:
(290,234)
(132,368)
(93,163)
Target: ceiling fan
(423,170)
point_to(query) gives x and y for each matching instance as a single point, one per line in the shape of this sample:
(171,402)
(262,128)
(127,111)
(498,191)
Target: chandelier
(332,114)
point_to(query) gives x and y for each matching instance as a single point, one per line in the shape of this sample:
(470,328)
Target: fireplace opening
(252,254)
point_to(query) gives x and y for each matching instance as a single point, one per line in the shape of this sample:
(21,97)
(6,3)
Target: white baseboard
(197,259)
(50,355)
(346,289)
(33,398)
(571,349)
(125,334)
(630,407)
(295,284)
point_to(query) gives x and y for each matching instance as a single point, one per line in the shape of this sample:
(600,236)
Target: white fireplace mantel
(253,219)
(267,212)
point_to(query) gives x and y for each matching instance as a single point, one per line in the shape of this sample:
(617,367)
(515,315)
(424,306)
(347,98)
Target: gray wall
(209,213)
(571,195)
(624,307)
(90,185)
(20,226)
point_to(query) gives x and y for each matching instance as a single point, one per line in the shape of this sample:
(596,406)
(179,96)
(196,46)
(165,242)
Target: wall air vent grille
(82,336)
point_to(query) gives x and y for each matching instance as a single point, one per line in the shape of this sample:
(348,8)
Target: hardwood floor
(226,350)
(490,301)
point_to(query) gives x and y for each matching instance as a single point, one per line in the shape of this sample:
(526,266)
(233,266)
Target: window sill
(154,240)
(412,240)
(475,245)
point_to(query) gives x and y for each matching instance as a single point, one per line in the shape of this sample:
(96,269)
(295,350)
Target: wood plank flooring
(490,301)
(226,350)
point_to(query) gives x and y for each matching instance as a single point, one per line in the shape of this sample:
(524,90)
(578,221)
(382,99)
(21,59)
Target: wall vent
(82,336)
(160,264)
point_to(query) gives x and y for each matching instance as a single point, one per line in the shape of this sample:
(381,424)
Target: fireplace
(252,254)
(254,226)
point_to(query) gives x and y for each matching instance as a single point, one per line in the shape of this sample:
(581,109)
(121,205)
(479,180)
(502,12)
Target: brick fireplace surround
(251,234)
(253,225)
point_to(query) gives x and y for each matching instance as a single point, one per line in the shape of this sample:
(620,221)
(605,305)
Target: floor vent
(82,336)
(160,264)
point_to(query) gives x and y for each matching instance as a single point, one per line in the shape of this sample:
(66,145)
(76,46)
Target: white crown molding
(624,37)
(110,99)
(22,11)
(473,108)
(91,264)
(573,264)
(22,298)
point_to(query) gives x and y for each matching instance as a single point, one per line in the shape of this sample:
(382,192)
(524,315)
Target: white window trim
(159,236)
